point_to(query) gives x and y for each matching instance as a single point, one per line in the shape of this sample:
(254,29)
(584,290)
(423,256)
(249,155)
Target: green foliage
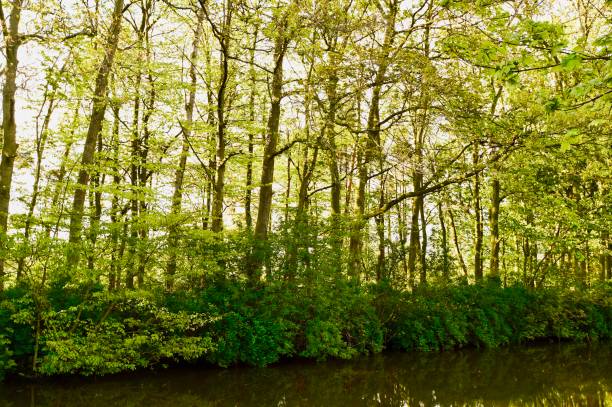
(490,316)
(341,323)
(233,323)
(6,357)
(252,327)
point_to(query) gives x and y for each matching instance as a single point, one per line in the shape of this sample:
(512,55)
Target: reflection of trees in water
(539,376)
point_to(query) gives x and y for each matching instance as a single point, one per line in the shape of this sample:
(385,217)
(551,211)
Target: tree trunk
(373,146)
(267,169)
(457,245)
(445,251)
(249,172)
(113,277)
(177,196)
(9,128)
(478,221)
(95,203)
(495,203)
(380,230)
(223,37)
(95,126)
(494,226)
(413,244)
(144,178)
(134,172)
(356,240)
(609,260)
(61,175)
(41,143)
(336,186)
(403,237)
(423,279)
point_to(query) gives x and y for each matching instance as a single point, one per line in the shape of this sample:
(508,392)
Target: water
(547,375)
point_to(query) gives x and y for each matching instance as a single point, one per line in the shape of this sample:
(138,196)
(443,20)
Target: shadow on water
(547,375)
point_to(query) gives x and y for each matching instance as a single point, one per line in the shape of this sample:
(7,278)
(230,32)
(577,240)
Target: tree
(95,126)
(12,41)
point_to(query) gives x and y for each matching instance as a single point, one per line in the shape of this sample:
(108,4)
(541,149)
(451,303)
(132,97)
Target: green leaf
(570,138)
(552,105)
(571,62)
(580,90)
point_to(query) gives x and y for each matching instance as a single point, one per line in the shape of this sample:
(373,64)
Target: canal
(542,375)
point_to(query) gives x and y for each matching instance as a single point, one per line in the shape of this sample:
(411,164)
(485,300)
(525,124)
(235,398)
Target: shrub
(89,331)
(117,332)
(490,316)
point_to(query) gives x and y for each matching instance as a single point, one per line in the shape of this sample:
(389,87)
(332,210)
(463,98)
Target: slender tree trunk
(356,239)
(113,277)
(417,207)
(403,237)
(223,36)
(423,279)
(457,245)
(210,139)
(177,196)
(9,128)
(373,142)
(249,172)
(609,260)
(138,175)
(41,143)
(300,236)
(95,126)
(445,251)
(61,175)
(526,257)
(96,206)
(584,265)
(267,171)
(495,204)
(414,244)
(478,239)
(494,226)
(336,186)
(134,171)
(420,128)
(143,178)
(308,172)
(380,230)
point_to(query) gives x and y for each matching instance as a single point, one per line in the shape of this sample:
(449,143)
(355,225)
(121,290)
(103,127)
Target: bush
(490,316)
(111,333)
(6,357)
(341,322)
(88,331)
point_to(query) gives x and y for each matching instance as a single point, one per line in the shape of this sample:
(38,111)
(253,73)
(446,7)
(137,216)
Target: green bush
(88,331)
(111,333)
(6,357)
(341,322)
(490,316)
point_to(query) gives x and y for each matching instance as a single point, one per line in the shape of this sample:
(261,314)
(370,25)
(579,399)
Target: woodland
(245,181)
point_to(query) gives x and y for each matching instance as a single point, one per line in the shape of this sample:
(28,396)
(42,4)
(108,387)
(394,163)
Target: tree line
(173,142)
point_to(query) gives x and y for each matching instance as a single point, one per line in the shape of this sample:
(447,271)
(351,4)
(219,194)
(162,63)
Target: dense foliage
(91,331)
(240,181)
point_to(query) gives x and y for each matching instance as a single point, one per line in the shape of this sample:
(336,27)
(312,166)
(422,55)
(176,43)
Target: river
(542,375)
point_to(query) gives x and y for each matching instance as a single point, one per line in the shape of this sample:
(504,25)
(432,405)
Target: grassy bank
(87,331)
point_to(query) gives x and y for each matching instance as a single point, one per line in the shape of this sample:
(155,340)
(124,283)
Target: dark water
(550,375)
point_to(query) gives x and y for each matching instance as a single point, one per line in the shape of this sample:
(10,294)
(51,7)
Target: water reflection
(552,375)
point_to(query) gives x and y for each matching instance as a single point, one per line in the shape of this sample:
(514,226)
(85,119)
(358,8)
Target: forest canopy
(168,142)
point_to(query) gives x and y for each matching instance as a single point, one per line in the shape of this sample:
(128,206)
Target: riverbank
(88,331)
